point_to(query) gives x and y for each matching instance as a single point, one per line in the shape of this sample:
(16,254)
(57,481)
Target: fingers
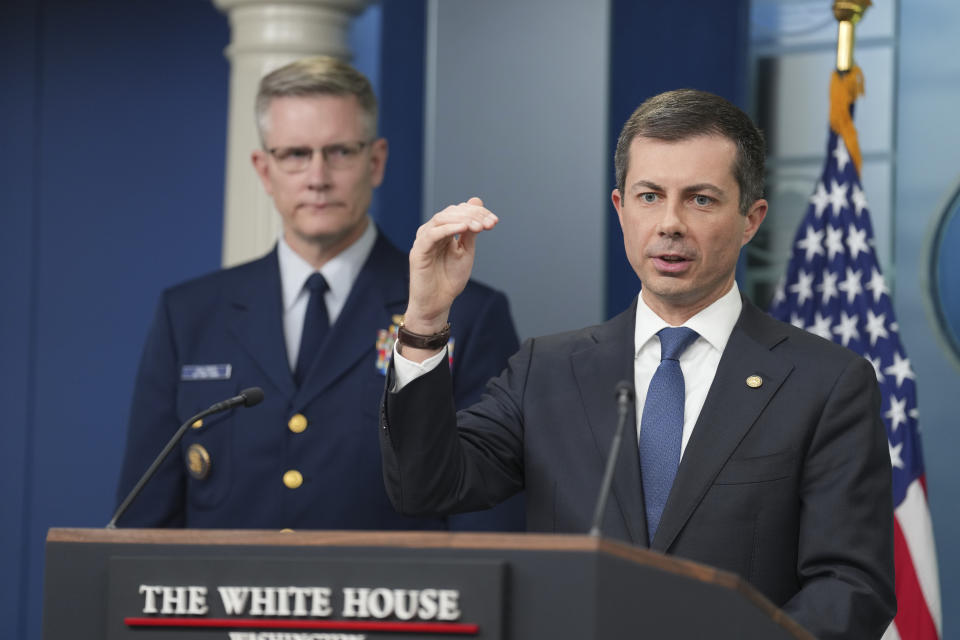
(441,259)
(468,241)
(472,213)
(467,218)
(433,236)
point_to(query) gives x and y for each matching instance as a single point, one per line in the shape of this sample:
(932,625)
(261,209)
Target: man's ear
(261,164)
(755,216)
(617,204)
(379,149)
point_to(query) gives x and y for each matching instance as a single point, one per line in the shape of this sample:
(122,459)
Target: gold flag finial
(847,82)
(848,14)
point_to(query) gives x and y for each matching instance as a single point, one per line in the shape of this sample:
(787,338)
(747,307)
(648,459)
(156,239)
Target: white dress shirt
(340,273)
(698,363)
(406,371)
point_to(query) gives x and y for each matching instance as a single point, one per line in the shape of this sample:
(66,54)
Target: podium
(351,585)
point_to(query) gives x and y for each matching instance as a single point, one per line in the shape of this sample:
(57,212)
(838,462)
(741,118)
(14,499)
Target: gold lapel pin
(754,382)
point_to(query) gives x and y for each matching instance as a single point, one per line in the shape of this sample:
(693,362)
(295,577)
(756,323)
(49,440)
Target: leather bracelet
(433,342)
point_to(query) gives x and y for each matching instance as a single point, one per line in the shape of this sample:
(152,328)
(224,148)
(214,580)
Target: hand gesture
(441,261)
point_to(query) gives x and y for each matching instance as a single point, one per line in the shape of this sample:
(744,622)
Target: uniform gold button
(197,423)
(754,382)
(292,479)
(298,423)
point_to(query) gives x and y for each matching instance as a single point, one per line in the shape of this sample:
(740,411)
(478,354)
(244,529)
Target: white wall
(517,114)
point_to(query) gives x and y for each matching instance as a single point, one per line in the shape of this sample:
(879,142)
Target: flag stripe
(891,633)
(913,516)
(913,617)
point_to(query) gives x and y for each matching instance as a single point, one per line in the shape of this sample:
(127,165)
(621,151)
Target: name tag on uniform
(205,372)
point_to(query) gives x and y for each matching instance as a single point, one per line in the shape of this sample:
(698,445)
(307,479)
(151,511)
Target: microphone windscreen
(252,396)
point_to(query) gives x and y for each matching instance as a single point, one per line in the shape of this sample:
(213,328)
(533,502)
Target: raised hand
(441,260)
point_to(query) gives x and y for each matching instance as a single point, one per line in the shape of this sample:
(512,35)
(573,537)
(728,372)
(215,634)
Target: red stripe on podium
(339,625)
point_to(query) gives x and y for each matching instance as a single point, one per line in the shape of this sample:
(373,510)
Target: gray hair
(319,76)
(686,113)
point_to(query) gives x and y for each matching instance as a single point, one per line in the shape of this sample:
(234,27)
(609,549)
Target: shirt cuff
(406,371)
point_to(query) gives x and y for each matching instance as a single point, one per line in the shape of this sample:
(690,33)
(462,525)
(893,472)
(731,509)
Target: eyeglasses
(343,155)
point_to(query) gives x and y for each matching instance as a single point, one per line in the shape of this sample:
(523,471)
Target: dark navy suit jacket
(787,483)
(234,317)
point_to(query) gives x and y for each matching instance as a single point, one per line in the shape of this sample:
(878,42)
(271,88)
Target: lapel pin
(754,381)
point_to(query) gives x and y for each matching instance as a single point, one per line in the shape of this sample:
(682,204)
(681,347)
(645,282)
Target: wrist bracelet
(433,341)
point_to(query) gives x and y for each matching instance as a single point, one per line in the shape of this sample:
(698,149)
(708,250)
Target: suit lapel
(379,291)
(730,409)
(254,308)
(598,369)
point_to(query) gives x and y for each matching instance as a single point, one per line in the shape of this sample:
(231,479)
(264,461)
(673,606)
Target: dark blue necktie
(661,426)
(316,324)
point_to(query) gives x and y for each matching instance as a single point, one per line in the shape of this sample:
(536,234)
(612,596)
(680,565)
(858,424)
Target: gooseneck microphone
(624,391)
(246,398)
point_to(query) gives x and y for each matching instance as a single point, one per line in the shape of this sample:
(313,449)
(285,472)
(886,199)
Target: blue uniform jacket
(233,317)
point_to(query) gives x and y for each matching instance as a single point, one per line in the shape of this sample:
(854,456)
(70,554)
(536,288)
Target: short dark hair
(319,76)
(685,113)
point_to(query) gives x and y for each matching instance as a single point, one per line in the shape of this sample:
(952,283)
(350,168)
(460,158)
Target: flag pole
(846,85)
(848,14)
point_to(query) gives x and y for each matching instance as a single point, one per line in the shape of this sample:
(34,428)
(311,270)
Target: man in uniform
(312,323)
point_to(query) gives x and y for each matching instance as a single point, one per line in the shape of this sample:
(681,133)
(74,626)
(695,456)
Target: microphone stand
(247,398)
(624,400)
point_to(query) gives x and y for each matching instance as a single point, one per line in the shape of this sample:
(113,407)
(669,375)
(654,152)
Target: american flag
(834,288)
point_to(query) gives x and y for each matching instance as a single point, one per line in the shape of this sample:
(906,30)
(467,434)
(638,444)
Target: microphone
(247,398)
(624,392)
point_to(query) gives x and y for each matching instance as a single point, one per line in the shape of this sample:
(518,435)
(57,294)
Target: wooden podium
(348,585)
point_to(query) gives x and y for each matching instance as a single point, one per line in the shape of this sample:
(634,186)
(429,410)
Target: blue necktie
(316,324)
(661,426)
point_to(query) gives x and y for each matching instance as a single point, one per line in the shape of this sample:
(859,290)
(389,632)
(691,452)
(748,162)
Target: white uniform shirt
(340,273)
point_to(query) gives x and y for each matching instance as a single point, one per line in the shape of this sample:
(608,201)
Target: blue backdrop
(114,129)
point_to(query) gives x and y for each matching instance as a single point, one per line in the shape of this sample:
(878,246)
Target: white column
(266,35)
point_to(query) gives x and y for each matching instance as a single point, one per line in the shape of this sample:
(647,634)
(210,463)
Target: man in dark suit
(759,447)
(308,455)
